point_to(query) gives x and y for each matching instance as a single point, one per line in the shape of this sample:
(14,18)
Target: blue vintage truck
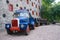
(21,22)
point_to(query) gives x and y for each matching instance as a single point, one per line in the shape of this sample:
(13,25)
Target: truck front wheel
(27,31)
(41,23)
(9,32)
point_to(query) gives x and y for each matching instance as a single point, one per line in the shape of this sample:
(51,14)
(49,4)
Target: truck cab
(22,21)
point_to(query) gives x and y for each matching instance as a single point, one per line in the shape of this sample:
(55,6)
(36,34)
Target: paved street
(45,32)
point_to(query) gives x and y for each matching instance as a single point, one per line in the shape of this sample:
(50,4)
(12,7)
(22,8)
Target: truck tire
(9,32)
(32,27)
(27,31)
(41,23)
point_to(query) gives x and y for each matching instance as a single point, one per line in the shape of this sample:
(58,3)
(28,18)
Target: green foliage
(56,11)
(50,11)
(47,3)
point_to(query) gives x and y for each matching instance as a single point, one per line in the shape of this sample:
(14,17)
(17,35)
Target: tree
(56,11)
(50,11)
(45,9)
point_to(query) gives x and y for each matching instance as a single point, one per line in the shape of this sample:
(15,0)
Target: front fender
(7,26)
(24,26)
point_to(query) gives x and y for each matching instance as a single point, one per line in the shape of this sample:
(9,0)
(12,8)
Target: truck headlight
(32,22)
(22,26)
(8,26)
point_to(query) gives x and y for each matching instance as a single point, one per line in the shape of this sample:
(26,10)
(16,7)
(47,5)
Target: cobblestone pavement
(46,32)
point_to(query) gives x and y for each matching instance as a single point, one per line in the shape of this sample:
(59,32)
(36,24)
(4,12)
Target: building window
(27,1)
(36,6)
(32,4)
(32,12)
(36,13)
(39,7)
(10,7)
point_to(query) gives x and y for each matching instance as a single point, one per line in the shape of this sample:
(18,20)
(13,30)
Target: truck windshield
(21,15)
(24,15)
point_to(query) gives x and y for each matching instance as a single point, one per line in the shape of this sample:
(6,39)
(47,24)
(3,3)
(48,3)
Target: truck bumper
(14,29)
